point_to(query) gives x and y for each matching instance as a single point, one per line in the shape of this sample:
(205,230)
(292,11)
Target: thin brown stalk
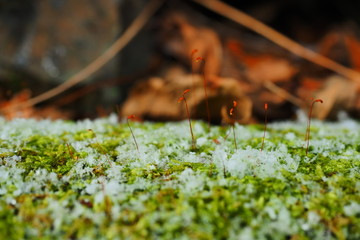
(265,126)
(183,98)
(71,152)
(232,112)
(284,94)
(307,134)
(131,131)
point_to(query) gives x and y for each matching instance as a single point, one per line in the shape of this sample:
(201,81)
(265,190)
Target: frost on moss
(86,180)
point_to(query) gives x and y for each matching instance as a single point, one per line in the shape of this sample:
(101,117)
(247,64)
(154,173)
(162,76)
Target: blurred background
(184,45)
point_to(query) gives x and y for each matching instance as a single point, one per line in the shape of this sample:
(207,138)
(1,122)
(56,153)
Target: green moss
(42,152)
(109,190)
(11,227)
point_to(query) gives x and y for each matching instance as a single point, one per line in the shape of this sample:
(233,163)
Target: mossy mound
(87,180)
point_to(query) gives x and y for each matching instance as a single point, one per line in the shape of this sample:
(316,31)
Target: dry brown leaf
(186,37)
(329,42)
(262,67)
(308,86)
(156,98)
(353,46)
(271,69)
(337,94)
(51,113)
(17,111)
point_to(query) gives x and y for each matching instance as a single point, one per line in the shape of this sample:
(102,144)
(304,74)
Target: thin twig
(94,66)
(278,38)
(284,94)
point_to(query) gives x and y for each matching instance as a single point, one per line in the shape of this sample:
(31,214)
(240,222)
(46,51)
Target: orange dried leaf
(353,46)
(311,84)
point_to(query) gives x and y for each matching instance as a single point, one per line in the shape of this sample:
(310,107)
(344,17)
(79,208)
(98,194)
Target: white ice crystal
(257,163)
(201,141)
(190,182)
(246,233)
(352,209)
(93,187)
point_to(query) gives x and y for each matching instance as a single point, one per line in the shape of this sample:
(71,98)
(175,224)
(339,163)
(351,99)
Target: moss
(96,185)
(84,135)
(46,154)
(11,227)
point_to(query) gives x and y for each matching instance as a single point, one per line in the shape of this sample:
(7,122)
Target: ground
(88,180)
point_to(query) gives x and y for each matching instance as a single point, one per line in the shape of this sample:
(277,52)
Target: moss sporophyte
(307,134)
(265,125)
(53,190)
(180,99)
(231,112)
(131,117)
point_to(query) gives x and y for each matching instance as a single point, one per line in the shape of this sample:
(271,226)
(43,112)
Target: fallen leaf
(338,93)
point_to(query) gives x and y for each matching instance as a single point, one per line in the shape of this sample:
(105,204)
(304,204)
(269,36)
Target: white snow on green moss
(87,180)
